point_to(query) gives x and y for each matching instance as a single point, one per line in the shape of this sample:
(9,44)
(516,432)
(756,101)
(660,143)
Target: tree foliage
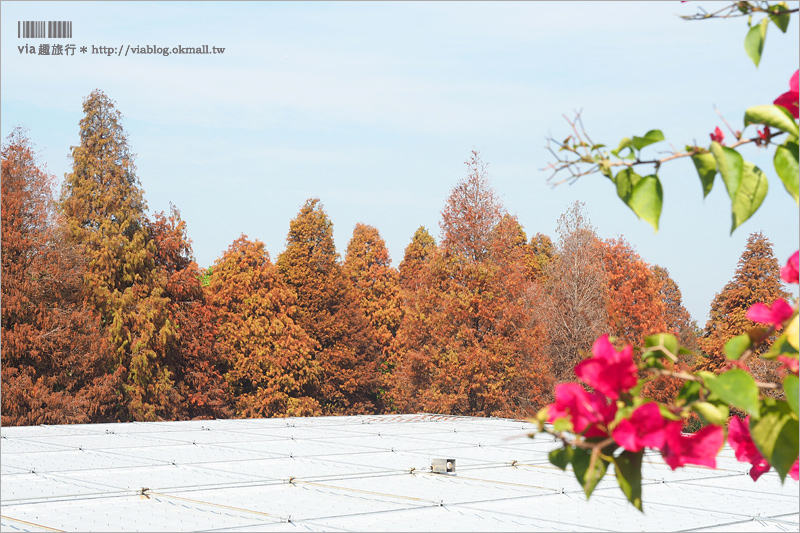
(192,352)
(268,356)
(571,304)
(635,310)
(369,268)
(104,208)
(377,286)
(416,258)
(540,254)
(471,212)
(468,343)
(756,279)
(678,320)
(56,362)
(329,311)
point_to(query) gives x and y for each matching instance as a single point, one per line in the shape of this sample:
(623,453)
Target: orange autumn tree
(757,279)
(57,367)
(269,358)
(541,252)
(104,209)
(192,352)
(471,212)
(468,344)
(377,285)
(634,307)
(643,300)
(369,268)
(328,310)
(407,369)
(416,258)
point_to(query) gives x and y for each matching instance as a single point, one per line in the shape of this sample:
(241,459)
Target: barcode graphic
(39,29)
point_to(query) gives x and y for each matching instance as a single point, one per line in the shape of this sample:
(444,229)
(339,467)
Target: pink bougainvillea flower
(717,135)
(776,314)
(645,428)
(789,99)
(789,272)
(745,449)
(698,449)
(609,371)
(793,472)
(586,411)
(764,134)
(792,363)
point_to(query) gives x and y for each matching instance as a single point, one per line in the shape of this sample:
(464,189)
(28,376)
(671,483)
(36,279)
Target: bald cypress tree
(369,268)
(757,279)
(417,254)
(471,212)
(468,343)
(268,355)
(329,311)
(57,367)
(192,352)
(104,209)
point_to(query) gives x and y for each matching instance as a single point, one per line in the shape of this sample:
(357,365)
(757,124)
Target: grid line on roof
(356,473)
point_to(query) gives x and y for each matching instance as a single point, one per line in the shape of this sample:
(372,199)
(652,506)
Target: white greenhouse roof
(358,473)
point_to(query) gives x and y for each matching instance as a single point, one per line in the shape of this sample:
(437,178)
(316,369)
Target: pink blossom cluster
(611,373)
(789,99)
(746,452)
(779,311)
(739,431)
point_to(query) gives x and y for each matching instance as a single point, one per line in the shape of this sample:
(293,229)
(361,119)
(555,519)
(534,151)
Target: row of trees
(106,317)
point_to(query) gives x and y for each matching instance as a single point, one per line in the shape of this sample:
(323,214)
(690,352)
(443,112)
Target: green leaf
(787,168)
(738,388)
(790,387)
(706,165)
(690,392)
(779,347)
(735,347)
(666,414)
(625,180)
(662,341)
(561,457)
(781,20)
(652,136)
(605,170)
(713,414)
(543,414)
(730,165)
(646,199)
(772,115)
(628,469)
(754,41)
(562,424)
(749,196)
(776,435)
(624,143)
(580,465)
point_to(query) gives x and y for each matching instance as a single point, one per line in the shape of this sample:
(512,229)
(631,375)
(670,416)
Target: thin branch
(733,11)
(583,152)
(689,377)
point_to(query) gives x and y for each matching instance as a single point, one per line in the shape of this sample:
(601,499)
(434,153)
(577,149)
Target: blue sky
(374,106)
